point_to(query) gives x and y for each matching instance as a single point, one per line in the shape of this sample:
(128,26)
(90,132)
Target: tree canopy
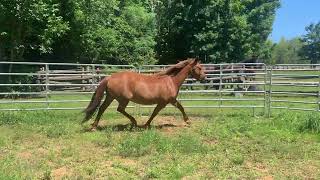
(214,30)
(29,25)
(285,51)
(311,43)
(135,31)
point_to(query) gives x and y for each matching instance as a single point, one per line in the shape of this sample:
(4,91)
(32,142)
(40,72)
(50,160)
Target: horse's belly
(151,97)
(146,100)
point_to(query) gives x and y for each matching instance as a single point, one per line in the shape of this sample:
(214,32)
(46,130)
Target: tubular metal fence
(69,86)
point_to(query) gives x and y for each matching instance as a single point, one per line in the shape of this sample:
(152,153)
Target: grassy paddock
(219,144)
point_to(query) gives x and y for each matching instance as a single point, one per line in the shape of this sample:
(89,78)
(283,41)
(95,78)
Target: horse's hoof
(188,123)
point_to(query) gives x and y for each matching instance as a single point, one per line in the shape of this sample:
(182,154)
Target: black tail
(95,100)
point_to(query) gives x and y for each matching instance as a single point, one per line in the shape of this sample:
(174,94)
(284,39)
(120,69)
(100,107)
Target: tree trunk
(17,49)
(1,51)
(13,51)
(12,57)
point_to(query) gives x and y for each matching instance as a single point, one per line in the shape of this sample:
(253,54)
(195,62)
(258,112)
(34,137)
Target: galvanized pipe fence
(69,86)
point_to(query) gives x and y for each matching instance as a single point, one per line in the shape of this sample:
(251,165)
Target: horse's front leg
(155,112)
(179,106)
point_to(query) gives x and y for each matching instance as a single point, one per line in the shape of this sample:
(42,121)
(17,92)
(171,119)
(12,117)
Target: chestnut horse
(161,88)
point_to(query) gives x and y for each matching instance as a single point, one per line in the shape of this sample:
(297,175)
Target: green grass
(220,144)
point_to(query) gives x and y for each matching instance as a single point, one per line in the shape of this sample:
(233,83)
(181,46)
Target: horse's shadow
(128,127)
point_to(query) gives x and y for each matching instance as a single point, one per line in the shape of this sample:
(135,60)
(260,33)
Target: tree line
(143,31)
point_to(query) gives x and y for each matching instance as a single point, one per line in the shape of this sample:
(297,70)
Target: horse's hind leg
(121,108)
(102,108)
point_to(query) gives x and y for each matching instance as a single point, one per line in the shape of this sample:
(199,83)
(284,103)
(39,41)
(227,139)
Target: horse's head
(197,71)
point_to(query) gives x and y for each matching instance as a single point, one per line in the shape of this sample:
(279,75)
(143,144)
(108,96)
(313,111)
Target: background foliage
(147,31)
(214,30)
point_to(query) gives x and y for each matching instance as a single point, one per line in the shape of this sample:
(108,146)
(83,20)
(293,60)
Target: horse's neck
(181,76)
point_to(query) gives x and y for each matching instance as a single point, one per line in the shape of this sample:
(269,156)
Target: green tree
(266,52)
(119,32)
(311,43)
(131,31)
(260,16)
(294,46)
(174,30)
(280,52)
(29,25)
(286,52)
(138,35)
(223,35)
(214,30)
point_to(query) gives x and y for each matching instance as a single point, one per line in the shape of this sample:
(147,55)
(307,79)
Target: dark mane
(175,69)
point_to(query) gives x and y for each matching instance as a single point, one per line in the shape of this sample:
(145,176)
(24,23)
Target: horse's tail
(95,100)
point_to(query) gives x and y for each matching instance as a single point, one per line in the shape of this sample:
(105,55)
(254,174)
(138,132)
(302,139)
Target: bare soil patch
(24,155)
(60,173)
(166,124)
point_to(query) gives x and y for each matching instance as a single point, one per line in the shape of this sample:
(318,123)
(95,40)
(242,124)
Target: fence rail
(68,86)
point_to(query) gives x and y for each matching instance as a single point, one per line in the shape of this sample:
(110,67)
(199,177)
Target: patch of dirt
(24,155)
(261,168)
(211,141)
(42,151)
(266,178)
(124,161)
(139,168)
(106,164)
(258,167)
(168,120)
(167,124)
(103,123)
(309,171)
(128,162)
(187,178)
(60,173)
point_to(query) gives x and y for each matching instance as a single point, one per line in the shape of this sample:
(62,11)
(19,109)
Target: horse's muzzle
(202,78)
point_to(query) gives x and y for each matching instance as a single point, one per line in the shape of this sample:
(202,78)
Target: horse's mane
(175,69)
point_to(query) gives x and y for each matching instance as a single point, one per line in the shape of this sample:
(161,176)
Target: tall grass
(311,123)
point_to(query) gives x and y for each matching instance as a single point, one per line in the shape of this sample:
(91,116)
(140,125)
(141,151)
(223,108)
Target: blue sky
(293,16)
